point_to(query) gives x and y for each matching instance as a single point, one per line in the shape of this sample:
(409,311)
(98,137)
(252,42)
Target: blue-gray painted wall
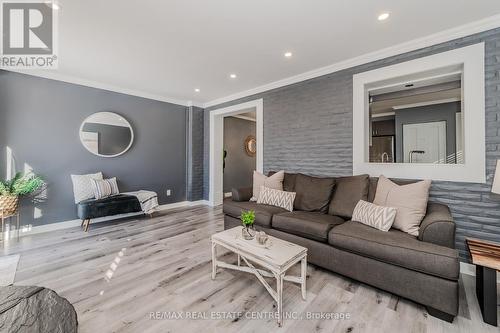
(308,128)
(40,121)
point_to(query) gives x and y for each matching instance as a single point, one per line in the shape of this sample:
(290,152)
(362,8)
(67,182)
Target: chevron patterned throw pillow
(378,217)
(283,199)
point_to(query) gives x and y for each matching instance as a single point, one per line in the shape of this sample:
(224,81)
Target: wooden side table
(486,256)
(3,217)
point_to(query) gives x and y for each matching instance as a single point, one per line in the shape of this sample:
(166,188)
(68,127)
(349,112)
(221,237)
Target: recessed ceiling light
(288,54)
(383,16)
(232,76)
(197,89)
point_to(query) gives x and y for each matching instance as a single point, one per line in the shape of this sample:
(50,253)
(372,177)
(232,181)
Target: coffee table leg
(239,260)
(303,276)
(214,260)
(279,290)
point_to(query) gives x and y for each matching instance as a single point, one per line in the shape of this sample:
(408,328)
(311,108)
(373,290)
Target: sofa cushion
(311,225)
(274,181)
(348,191)
(272,197)
(263,213)
(373,182)
(410,201)
(378,217)
(288,181)
(313,193)
(397,248)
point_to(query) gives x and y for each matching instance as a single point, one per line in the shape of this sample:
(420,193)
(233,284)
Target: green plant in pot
(11,190)
(248,219)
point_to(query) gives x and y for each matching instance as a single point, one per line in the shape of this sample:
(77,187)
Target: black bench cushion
(114,205)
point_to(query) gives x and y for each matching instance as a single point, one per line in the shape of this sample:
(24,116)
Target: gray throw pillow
(313,193)
(348,192)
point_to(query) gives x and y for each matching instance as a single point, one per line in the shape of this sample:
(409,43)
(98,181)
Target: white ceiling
(166,49)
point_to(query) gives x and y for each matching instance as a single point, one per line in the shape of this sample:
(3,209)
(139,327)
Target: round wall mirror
(106,134)
(250,145)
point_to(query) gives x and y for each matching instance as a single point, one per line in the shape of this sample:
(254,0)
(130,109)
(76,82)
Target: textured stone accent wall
(308,128)
(195,146)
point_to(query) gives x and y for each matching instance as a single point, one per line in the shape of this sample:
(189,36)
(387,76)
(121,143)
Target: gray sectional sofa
(424,269)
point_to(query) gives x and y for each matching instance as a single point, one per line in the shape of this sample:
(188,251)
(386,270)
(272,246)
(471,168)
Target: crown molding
(485,24)
(51,75)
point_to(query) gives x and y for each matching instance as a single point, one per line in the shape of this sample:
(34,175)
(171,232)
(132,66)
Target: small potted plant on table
(248,219)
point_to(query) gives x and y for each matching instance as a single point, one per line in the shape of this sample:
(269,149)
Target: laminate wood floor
(149,274)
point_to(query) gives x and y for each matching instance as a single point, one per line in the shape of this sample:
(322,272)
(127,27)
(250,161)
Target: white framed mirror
(422,119)
(106,134)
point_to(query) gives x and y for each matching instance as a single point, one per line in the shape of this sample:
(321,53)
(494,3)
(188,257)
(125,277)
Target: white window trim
(471,58)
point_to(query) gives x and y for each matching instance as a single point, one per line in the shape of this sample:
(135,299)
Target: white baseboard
(29,230)
(470,269)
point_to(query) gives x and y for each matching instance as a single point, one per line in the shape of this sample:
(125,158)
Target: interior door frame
(216,194)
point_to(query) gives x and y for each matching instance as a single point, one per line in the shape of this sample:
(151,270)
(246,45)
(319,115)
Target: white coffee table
(277,257)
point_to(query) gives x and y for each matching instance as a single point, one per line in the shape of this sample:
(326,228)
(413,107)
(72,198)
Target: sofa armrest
(242,194)
(438,226)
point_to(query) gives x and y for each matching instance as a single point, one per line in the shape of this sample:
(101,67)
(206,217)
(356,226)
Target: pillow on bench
(104,188)
(82,187)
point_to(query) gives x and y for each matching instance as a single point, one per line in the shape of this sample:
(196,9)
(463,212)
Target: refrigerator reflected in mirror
(382,149)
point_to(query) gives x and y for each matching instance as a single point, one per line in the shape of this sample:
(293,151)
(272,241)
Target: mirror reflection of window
(417,122)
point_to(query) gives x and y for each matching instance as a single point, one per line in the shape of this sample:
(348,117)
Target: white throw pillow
(375,216)
(283,199)
(410,200)
(104,188)
(82,188)
(275,182)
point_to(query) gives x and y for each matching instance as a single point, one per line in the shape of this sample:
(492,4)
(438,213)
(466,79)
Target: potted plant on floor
(11,190)
(248,219)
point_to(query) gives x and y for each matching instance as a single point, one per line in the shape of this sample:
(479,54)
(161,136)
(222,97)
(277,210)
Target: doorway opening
(236,147)
(240,147)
